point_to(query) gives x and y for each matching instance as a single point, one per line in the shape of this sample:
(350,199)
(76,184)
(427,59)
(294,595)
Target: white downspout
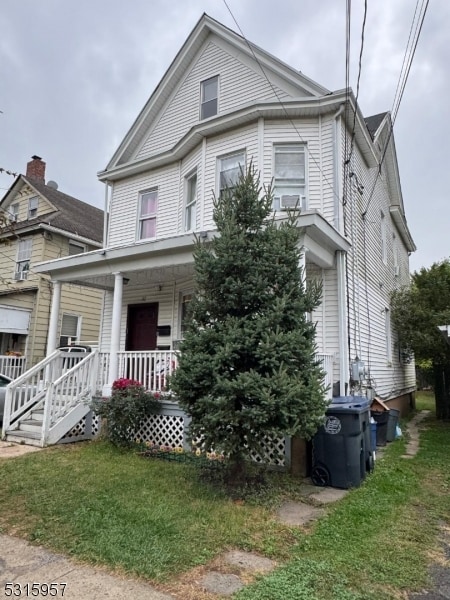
(342,318)
(336,163)
(105,215)
(54,316)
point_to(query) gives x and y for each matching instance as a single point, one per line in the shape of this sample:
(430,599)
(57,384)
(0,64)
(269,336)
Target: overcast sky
(74,75)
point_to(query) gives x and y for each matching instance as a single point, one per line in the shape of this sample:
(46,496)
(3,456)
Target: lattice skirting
(169,429)
(86,429)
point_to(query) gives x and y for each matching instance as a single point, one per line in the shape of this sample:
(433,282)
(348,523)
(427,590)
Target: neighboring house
(38,222)
(221,104)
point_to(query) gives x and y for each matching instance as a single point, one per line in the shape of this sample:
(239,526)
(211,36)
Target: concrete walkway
(11,450)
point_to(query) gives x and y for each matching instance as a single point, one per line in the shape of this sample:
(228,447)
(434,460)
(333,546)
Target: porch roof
(171,258)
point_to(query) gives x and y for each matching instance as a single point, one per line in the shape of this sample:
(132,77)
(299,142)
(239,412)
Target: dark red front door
(141,326)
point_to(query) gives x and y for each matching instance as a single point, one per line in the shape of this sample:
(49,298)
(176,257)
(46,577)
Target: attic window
(209,97)
(33,207)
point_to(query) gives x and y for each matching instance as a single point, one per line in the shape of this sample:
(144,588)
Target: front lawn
(148,517)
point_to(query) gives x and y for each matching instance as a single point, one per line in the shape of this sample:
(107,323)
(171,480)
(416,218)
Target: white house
(223,103)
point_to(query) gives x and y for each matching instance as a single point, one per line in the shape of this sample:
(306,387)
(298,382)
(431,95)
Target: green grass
(143,516)
(154,519)
(375,544)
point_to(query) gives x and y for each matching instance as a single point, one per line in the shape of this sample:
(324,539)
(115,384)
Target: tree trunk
(442,391)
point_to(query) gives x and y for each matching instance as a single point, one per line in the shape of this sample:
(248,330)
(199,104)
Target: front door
(141,327)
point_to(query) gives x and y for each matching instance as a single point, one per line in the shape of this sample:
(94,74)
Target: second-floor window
(148,207)
(289,176)
(209,94)
(23,259)
(191,203)
(230,168)
(33,207)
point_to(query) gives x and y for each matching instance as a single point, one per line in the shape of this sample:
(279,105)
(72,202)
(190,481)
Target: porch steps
(19,436)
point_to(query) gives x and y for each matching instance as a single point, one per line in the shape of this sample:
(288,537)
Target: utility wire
(403,78)
(335,193)
(352,142)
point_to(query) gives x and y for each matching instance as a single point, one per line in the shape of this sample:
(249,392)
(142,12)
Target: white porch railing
(149,368)
(12,366)
(152,368)
(56,384)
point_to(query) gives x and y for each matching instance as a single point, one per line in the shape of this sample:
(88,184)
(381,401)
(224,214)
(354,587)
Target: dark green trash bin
(394,415)
(341,449)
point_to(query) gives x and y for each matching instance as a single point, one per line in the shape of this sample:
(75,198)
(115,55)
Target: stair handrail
(9,415)
(48,421)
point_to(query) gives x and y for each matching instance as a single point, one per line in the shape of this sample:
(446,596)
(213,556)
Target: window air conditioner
(12,217)
(292,201)
(20,275)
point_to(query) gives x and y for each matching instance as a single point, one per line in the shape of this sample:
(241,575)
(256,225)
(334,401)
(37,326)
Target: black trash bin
(381,418)
(393,417)
(341,449)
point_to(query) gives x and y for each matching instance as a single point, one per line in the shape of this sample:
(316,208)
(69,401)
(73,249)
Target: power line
(335,193)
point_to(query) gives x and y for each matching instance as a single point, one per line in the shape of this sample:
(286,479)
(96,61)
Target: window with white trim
(33,207)
(14,211)
(148,207)
(70,329)
(383,238)
(185,300)
(76,248)
(209,94)
(230,168)
(191,203)
(289,176)
(388,334)
(23,259)
(396,256)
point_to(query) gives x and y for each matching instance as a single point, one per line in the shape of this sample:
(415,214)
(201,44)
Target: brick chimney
(36,169)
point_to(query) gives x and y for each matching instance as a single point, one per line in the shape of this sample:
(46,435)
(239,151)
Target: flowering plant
(124,410)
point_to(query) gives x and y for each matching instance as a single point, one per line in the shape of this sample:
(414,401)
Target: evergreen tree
(247,368)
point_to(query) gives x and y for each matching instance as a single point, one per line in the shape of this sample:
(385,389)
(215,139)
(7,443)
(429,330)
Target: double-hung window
(14,212)
(23,259)
(230,168)
(209,94)
(148,206)
(191,203)
(289,176)
(33,207)
(70,329)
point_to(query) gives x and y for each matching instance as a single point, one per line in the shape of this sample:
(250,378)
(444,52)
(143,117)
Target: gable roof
(180,65)
(70,215)
(374,122)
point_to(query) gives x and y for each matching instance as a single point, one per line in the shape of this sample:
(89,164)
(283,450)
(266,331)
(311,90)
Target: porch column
(302,264)
(343,327)
(54,315)
(115,333)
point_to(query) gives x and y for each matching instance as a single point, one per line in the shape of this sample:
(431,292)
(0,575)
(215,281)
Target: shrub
(124,410)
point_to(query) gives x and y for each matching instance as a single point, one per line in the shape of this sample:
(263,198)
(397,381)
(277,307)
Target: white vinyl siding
(209,97)
(239,84)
